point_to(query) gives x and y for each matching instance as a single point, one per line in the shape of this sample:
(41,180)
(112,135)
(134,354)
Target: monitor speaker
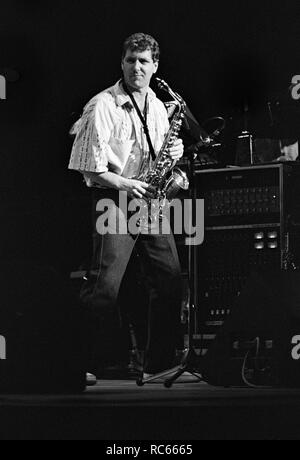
(42,332)
(259,344)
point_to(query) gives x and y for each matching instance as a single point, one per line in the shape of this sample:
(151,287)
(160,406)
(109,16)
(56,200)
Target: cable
(244,378)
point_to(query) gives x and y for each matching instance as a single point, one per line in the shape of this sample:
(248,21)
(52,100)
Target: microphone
(206,140)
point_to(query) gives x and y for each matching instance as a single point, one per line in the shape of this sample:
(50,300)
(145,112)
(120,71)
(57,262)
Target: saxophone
(163,175)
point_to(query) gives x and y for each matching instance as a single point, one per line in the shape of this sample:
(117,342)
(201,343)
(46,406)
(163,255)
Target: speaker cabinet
(259,344)
(252,223)
(42,332)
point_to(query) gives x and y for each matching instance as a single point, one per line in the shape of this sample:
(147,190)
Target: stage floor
(119,410)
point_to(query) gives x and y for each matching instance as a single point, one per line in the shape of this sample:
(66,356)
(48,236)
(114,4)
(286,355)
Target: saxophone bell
(177,181)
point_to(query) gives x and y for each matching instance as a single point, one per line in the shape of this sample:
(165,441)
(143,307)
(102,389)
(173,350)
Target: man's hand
(136,188)
(176,151)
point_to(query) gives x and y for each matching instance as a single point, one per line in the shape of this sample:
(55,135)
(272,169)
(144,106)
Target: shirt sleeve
(91,151)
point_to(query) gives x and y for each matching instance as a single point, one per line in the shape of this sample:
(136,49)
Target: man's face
(138,68)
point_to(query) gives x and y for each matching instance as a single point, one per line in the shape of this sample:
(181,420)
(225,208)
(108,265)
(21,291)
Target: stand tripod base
(175,372)
(180,371)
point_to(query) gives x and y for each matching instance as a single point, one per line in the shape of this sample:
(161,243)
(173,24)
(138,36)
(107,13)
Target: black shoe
(90,379)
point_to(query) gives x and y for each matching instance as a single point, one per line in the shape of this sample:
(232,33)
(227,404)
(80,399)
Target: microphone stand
(190,357)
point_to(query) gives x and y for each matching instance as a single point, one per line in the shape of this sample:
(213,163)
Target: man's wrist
(111,180)
(119,183)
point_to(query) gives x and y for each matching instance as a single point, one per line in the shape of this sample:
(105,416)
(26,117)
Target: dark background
(216,55)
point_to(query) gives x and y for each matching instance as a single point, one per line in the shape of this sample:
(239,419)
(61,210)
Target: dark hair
(142,42)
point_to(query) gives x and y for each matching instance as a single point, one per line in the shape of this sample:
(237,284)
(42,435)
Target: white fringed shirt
(109,136)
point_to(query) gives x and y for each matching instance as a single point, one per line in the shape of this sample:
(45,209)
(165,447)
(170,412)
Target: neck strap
(143,118)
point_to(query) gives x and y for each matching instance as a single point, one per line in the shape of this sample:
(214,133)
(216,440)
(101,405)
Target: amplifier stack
(252,223)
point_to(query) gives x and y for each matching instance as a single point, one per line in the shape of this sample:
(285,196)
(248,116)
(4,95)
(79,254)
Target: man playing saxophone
(120,133)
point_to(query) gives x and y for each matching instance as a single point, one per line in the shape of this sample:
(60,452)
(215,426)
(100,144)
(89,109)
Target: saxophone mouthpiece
(161,83)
